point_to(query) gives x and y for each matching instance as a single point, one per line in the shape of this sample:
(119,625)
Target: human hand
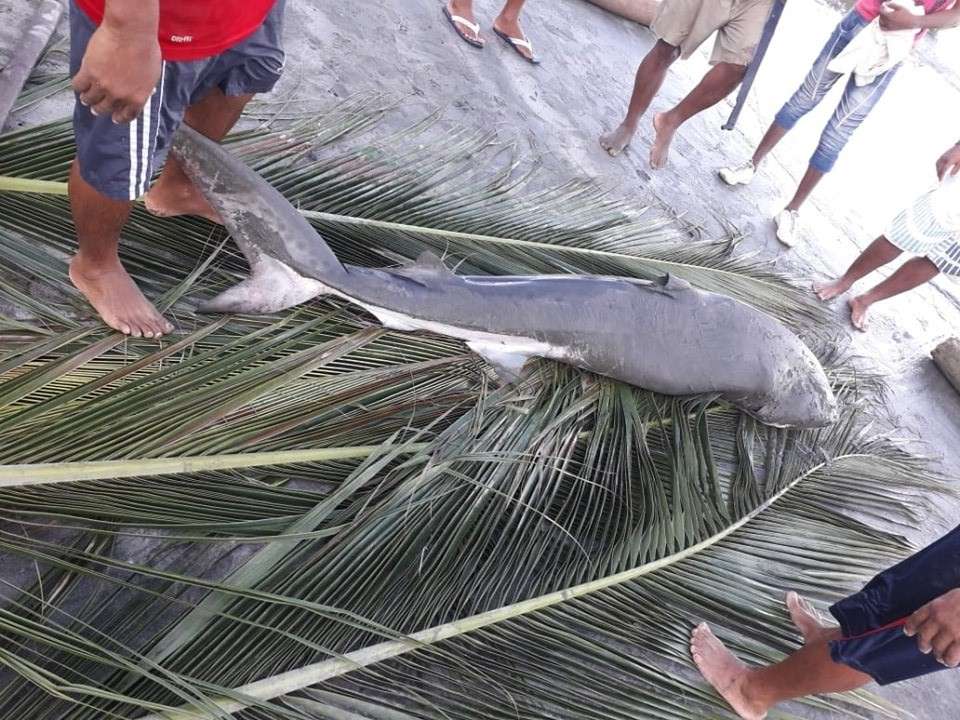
(119,71)
(949,162)
(893,17)
(937,628)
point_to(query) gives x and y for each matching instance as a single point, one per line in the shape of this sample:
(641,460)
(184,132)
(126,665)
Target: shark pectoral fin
(428,259)
(271,287)
(507,363)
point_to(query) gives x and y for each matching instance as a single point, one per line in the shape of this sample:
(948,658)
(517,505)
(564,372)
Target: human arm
(949,162)
(121,65)
(937,628)
(893,17)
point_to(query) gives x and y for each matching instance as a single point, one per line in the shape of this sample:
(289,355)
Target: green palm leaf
(307,516)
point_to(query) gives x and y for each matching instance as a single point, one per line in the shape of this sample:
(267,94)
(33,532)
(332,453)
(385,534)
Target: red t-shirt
(869,9)
(196,29)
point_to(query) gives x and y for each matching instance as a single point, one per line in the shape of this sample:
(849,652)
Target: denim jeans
(854,106)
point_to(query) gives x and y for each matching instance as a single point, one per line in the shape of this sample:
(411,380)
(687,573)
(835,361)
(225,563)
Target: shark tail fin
(254,212)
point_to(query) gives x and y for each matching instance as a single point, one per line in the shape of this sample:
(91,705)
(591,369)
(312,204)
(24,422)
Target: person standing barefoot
(139,69)
(904,624)
(930,229)
(681,26)
(506,26)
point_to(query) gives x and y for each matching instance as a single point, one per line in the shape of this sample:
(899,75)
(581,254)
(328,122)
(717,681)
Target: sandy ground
(561,107)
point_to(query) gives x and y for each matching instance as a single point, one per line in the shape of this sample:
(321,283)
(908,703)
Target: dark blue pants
(872,620)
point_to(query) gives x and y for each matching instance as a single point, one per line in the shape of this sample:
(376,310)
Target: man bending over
(681,26)
(140,68)
(905,623)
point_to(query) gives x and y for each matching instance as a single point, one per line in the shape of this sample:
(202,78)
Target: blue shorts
(119,161)
(872,620)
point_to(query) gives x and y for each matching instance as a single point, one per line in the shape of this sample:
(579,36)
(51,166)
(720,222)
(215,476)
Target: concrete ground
(581,89)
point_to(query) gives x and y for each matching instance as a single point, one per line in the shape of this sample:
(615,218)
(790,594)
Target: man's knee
(732,70)
(664,52)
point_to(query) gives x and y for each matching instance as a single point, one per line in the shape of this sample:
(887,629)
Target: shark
(662,335)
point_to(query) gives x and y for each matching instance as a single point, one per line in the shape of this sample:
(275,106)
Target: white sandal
(456,21)
(516,44)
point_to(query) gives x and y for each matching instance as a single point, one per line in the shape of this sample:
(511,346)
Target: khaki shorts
(687,24)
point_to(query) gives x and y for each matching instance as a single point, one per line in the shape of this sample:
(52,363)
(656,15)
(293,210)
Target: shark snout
(803,398)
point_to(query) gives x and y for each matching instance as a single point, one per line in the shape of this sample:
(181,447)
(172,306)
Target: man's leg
(775,133)
(100,199)
(508,22)
(815,86)
(719,82)
(464,9)
(911,274)
(811,178)
(752,692)
(650,76)
(96,270)
(173,193)
(870,637)
(854,107)
(880,252)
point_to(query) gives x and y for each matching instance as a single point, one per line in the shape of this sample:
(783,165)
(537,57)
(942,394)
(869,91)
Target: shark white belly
(506,353)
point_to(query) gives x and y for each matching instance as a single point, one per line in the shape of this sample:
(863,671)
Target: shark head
(804,397)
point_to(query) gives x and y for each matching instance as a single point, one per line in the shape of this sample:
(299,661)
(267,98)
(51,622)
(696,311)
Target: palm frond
(304,515)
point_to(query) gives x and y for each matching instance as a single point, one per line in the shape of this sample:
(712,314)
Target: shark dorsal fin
(427,268)
(672,284)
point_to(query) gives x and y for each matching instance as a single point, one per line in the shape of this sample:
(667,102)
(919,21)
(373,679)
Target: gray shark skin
(663,336)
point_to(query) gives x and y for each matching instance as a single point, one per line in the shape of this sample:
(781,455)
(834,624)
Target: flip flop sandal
(456,21)
(516,44)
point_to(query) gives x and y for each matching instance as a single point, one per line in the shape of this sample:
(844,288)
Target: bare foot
(660,152)
(805,617)
(616,141)
(168,198)
(829,290)
(511,28)
(117,299)
(858,313)
(723,671)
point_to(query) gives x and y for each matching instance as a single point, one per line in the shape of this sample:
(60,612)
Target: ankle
(751,690)
(92,263)
(671,118)
(173,184)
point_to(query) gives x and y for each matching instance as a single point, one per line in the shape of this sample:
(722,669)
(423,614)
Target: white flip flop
(516,44)
(456,21)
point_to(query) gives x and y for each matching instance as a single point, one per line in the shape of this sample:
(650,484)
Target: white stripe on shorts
(150,138)
(144,147)
(132,142)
